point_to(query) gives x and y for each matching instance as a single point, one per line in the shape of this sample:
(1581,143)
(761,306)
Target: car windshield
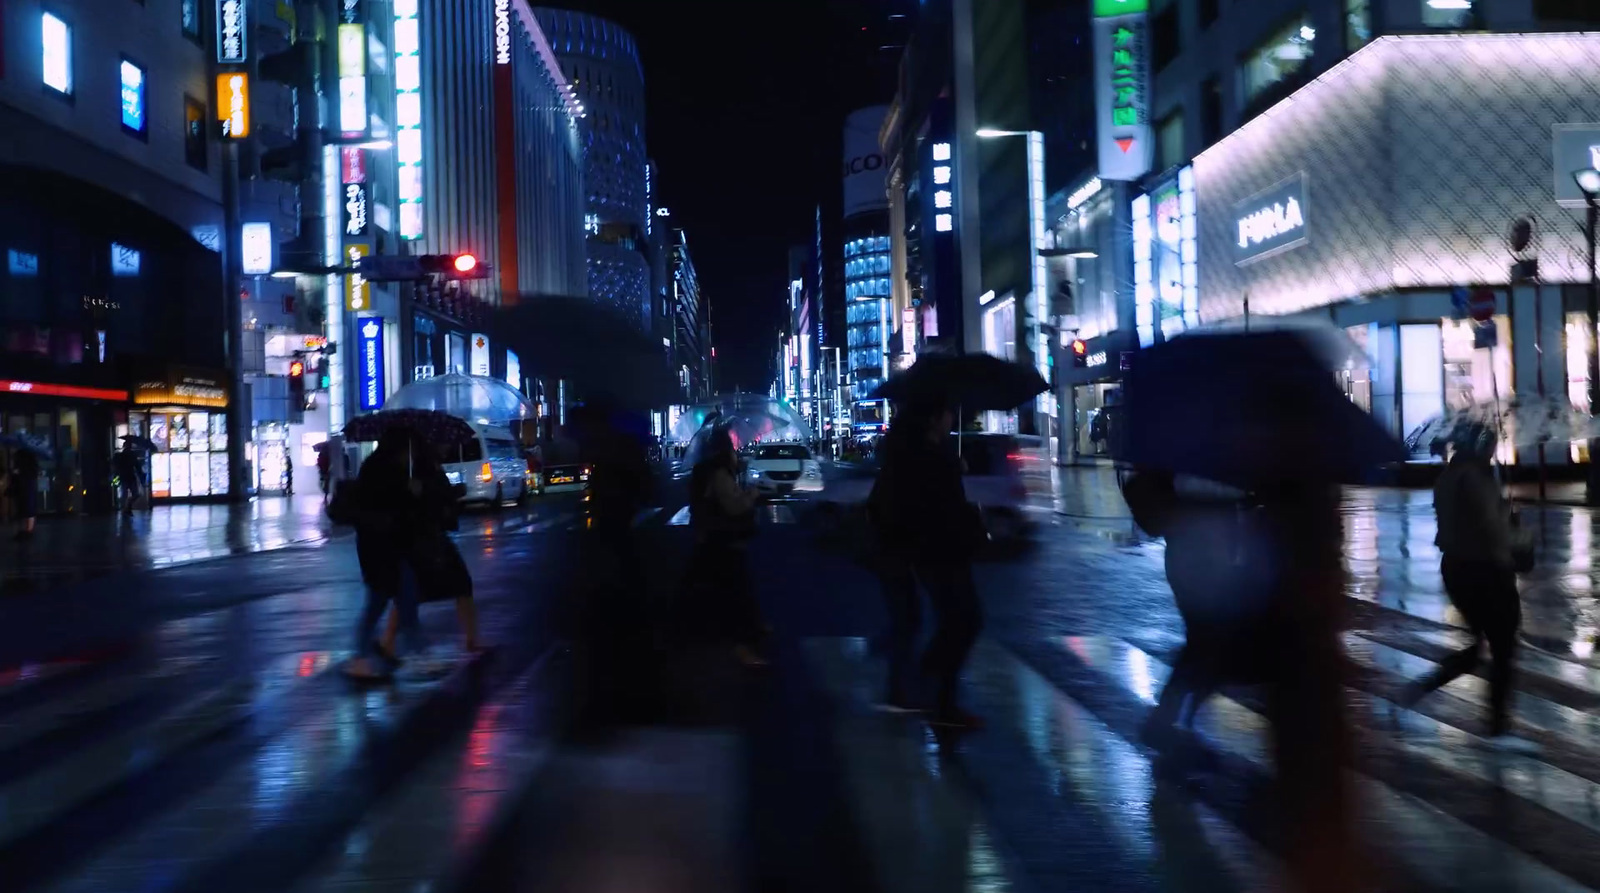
(782,451)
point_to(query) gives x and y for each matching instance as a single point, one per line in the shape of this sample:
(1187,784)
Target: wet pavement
(185,727)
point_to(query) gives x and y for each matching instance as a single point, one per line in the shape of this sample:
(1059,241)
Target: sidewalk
(65,549)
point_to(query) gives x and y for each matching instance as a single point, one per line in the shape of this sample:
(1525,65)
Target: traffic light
(1080,354)
(454,266)
(323,378)
(297,388)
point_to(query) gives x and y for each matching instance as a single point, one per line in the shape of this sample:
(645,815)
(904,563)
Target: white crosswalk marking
(1423,784)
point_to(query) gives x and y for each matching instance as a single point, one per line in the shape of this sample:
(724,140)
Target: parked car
(490,467)
(782,469)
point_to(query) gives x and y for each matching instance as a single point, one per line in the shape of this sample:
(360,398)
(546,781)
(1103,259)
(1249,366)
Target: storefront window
(1278,57)
(1357,24)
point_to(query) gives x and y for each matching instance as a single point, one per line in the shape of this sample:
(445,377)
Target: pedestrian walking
(325,470)
(928,533)
(1477,544)
(435,561)
(126,463)
(722,516)
(382,503)
(25,487)
(288,471)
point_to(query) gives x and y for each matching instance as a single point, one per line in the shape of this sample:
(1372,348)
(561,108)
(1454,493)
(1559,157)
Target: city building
(601,61)
(117,217)
(968,179)
(869,320)
(692,348)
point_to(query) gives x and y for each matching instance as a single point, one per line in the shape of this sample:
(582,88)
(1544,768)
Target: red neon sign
(62,390)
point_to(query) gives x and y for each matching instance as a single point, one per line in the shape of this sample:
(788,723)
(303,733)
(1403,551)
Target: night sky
(744,119)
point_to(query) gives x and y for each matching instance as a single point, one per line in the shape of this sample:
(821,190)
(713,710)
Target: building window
(1447,13)
(1279,56)
(1164,38)
(1211,111)
(1357,24)
(132,78)
(1169,140)
(57,41)
(189,10)
(194,133)
(1208,12)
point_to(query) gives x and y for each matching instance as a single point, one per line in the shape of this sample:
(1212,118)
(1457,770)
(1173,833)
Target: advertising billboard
(866,177)
(369,362)
(1122,89)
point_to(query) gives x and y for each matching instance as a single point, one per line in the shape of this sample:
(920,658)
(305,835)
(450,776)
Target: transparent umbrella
(476,398)
(747,417)
(1522,422)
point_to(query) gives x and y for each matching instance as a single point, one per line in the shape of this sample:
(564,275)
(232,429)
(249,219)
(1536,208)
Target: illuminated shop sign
(355,209)
(408,117)
(124,260)
(478,355)
(944,219)
(61,390)
(233,104)
(182,389)
(369,360)
(132,97)
(502,32)
(1122,89)
(1166,279)
(513,369)
(1271,221)
(231,27)
(357,290)
(256,249)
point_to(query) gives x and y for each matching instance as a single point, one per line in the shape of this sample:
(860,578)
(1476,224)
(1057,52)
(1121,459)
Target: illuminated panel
(1036,229)
(408,117)
(1144,290)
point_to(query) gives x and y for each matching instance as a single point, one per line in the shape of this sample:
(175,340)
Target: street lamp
(1588,181)
(1036,260)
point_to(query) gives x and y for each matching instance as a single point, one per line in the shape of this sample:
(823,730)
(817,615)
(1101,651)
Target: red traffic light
(465,263)
(1080,348)
(297,369)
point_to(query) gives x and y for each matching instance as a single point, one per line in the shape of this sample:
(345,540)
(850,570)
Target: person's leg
(391,629)
(903,604)
(1465,585)
(467,613)
(1502,617)
(958,619)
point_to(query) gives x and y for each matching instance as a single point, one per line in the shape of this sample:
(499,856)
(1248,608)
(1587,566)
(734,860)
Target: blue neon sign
(132,97)
(369,362)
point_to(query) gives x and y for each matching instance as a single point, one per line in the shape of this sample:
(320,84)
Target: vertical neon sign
(408,116)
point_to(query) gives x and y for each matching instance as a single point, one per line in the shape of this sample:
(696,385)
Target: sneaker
(1512,744)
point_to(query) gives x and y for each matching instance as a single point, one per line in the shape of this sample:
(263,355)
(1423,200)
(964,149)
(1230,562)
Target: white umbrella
(476,398)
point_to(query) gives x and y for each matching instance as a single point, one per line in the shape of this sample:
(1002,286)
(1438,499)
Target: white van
(491,466)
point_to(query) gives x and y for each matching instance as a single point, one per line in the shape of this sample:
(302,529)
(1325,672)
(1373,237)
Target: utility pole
(233,319)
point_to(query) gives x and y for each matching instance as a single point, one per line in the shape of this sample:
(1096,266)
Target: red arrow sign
(1125,143)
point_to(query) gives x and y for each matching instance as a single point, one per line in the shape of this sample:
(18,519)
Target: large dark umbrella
(139,442)
(970,381)
(602,351)
(433,427)
(1247,409)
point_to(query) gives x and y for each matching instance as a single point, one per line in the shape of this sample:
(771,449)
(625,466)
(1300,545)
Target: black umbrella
(971,381)
(433,427)
(1247,409)
(601,350)
(138,442)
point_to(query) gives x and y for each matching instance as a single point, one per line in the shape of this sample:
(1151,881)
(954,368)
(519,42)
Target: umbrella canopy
(479,398)
(601,351)
(25,440)
(972,381)
(138,442)
(439,428)
(1247,409)
(1331,344)
(747,417)
(1523,422)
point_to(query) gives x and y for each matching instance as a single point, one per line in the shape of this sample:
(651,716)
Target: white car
(782,469)
(491,466)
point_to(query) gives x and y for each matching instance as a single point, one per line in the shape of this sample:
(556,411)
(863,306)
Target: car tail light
(487,474)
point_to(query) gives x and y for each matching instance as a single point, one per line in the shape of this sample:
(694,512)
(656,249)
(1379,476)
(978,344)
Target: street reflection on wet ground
(186,728)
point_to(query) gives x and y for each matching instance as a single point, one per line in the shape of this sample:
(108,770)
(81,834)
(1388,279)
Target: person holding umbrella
(130,485)
(927,531)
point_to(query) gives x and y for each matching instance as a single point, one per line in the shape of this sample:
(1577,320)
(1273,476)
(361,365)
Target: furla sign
(1271,221)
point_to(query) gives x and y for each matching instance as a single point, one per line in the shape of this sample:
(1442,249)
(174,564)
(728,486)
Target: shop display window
(191,452)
